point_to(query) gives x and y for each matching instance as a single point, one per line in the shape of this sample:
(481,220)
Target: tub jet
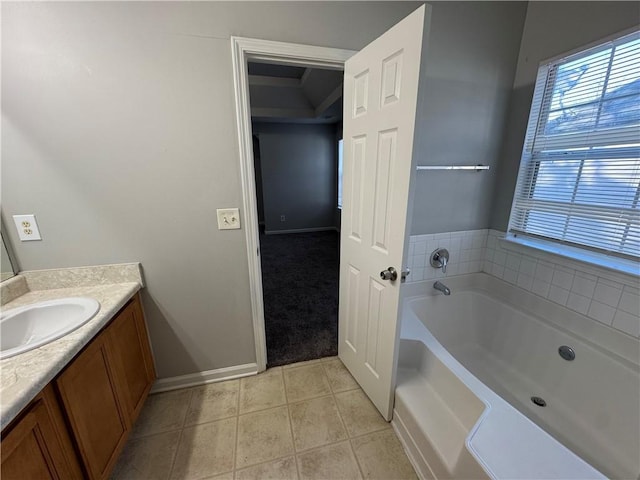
(539,401)
(567,353)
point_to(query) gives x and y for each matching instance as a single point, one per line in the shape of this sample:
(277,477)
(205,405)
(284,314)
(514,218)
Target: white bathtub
(469,365)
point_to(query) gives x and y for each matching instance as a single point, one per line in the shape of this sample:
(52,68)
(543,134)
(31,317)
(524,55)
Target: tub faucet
(442,288)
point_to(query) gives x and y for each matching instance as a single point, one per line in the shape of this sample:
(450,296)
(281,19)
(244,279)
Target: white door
(380,95)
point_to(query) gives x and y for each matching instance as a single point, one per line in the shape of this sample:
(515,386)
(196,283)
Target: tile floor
(307,420)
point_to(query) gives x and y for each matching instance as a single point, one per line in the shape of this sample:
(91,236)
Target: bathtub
(469,364)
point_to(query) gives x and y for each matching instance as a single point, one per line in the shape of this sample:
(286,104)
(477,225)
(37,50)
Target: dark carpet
(300,286)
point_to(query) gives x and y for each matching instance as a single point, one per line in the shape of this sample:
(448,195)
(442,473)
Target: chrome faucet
(440,258)
(442,288)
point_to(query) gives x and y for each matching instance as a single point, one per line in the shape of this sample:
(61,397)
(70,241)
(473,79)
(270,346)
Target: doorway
(247,50)
(296,121)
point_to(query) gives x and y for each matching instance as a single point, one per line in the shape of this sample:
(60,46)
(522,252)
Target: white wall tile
(513,261)
(497,270)
(583,285)
(544,272)
(528,266)
(578,303)
(416,275)
(540,287)
(500,258)
(561,278)
(629,302)
(510,275)
(607,293)
(525,281)
(627,323)
(558,295)
(601,312)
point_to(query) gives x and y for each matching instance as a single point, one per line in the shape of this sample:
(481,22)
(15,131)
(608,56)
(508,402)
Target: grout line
(274,459)
(175,456)
(293,440)
(356,459)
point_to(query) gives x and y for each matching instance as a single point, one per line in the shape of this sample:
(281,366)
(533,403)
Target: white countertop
(23,376)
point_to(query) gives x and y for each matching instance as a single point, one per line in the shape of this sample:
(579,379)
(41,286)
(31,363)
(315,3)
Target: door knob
(389,274)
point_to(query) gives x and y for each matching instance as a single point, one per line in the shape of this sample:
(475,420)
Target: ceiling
(291,94)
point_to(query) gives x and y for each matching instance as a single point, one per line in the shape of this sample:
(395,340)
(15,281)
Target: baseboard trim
(202,378)
(301,230)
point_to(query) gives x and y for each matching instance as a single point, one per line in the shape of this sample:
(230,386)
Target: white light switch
(228,218)
(27,227)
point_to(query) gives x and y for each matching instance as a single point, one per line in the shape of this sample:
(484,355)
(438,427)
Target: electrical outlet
(228,218)
(283,218)
(27,227)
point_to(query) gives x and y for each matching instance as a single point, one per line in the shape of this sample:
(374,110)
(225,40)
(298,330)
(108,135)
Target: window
(340,155)
(579,179)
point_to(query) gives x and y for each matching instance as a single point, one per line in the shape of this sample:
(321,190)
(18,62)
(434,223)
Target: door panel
(381,88)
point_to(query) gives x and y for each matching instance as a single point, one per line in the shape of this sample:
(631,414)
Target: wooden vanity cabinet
(103,389)
(89,394)
(37,445)
(131,354)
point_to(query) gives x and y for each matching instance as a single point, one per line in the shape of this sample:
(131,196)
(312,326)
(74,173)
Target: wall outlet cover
(27,227)
(228,218)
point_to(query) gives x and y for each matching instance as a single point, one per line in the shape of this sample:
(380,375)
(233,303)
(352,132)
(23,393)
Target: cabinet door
(38,446)
(129,348)
(88,391)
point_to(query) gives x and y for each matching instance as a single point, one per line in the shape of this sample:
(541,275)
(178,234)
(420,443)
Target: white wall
(299,175)
(118,132)
(550,29)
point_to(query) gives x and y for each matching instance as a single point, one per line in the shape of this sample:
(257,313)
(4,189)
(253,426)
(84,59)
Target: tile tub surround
(308,420)
(608,297)
(23,376)
(466,254)
(603,295)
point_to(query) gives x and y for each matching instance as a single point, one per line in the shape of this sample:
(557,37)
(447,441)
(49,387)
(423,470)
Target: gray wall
(299,175)
(118,132)
(551,28)
(466,79)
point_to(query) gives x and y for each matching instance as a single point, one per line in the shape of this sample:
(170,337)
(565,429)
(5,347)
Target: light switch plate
(228,218)
(27,227)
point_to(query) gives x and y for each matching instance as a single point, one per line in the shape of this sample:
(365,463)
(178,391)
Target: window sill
(614,264)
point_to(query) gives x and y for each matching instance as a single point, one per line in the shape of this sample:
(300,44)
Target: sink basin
(25,328)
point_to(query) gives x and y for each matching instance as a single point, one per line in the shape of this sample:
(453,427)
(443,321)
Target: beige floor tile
(340,380)
(360,416)
(282,469)
(381,457)
(301,364)
(316,422)
(206,450)
(335,462)
(162,412)
(306,382)
(213,402)
(147,457)
(263,436)
(265,390)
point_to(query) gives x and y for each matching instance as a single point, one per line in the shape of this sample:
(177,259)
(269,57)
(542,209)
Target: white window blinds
(579,179)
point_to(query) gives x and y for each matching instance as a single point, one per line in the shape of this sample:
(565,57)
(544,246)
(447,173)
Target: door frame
(265,51)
